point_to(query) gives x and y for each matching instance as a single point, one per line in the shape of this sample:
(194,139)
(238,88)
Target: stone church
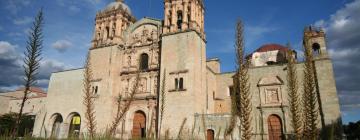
(174,49)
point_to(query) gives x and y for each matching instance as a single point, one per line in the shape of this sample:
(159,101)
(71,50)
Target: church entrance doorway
(275,128)
(139,125)
(210,134)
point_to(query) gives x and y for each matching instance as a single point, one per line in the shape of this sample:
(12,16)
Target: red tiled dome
(272,47)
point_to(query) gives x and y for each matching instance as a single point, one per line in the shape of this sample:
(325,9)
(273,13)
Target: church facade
(197,92)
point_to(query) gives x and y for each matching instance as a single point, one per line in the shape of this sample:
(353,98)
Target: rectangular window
(231,90)
(176,83)
(181,83)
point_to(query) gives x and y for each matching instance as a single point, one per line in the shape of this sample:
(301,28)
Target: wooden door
(274,128)
(139,125)
(210,134)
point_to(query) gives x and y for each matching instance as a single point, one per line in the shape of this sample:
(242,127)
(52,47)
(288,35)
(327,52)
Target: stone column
(173,18)
(119,25)
(192,14)
(185,17)
(166,17)
(202,20)
(198,18)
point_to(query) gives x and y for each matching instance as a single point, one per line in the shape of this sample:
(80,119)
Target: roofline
(213,59)
(151,18)
(68,70)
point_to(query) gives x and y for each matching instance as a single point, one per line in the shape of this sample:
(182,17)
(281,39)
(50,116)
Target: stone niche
(270,88)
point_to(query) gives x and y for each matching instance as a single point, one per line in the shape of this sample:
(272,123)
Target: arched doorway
(56,121)
(139,125)
(210,134)
(75,123)
(275,128)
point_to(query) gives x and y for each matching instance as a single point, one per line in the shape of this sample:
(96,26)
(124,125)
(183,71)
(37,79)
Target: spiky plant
(203,124)
(162,102)
(167,134)
(218,133)
(179,137)
(241,84)
(235,109)
(31,62)
(123,108)
(310,111)
(293,98)
(88,99)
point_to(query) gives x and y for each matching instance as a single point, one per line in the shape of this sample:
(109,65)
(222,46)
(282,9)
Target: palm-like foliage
(242,103)
(310,111)
(31,62)
(88,100)
(294,98)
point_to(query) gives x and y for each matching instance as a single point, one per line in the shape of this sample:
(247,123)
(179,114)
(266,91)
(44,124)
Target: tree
(294,100)
(352,130)
(31,62)
(7,123)
(310,111)
(241,85)
(88,100)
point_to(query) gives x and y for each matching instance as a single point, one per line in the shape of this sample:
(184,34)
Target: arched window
(316,49)
(113,30)
(107,32)
(144,62)
(179,19)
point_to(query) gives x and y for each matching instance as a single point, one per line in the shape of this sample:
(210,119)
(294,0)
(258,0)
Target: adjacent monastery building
(174,49)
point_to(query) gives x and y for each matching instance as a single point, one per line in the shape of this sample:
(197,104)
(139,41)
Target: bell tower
(182,15)
(314,39)
(110,24)
(183,62)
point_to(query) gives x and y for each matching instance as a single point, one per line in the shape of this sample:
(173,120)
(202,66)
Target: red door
(139,125)
(274,128)
(210,134)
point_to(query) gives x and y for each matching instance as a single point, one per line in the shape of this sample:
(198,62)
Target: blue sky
(69,27)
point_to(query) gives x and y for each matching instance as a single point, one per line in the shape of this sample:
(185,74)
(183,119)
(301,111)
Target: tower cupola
(111,22)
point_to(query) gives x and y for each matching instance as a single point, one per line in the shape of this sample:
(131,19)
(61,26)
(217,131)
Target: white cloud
(62,45)
(22,21)
(343,36)
(15,34)
(259,30)
(11,72)
(74,8)
(7,50)
(344,53)
(14,6)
